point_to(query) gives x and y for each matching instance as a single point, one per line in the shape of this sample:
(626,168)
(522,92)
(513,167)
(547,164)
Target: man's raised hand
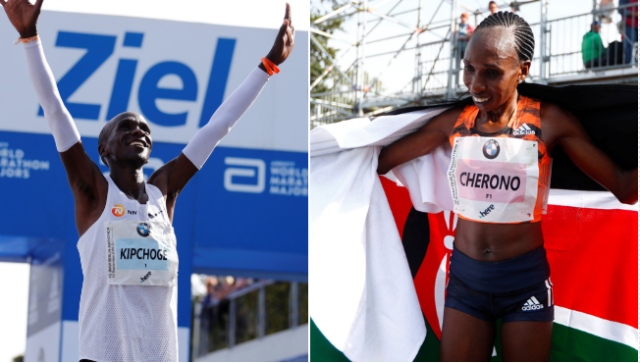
(284,41)
(23,15)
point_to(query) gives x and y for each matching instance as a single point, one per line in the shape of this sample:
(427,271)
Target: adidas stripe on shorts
(518,289)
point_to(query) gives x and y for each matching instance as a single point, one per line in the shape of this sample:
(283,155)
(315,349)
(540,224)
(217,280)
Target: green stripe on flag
(568,345)
(430,349)
(321,350)
(575,345)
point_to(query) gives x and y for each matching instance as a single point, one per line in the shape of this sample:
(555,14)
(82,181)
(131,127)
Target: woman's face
(492,70)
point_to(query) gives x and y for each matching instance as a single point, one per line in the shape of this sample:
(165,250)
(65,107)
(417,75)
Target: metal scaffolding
(437,73)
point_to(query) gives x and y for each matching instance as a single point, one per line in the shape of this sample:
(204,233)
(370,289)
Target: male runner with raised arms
(127,245)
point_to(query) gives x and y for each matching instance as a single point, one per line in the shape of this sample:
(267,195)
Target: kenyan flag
(591,240)
(592,251)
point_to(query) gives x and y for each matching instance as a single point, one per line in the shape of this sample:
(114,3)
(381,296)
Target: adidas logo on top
(523,130)
(532,304)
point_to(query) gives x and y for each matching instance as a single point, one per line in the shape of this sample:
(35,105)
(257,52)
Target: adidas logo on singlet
(532,304)
(523,130)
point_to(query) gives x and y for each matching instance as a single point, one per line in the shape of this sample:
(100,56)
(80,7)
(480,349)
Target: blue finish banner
(243,200)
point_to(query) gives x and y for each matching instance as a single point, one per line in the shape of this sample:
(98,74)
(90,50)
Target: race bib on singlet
(141,253)
(494,179)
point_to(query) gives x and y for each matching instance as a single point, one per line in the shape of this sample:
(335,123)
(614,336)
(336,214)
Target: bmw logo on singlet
(143,229)
(491,149)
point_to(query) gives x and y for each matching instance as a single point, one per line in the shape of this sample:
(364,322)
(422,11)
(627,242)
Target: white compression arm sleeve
(56,114)
(206,139)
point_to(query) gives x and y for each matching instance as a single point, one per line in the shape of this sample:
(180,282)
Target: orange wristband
(270,66)
(267,67)
(27,40)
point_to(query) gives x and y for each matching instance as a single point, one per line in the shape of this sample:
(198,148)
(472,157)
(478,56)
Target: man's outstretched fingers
(287,12)
(38,4)
(289,36)
(3,2)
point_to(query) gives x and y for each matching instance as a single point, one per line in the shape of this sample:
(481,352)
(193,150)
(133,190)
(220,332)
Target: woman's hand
(561,127)
(283,45)
(23,15)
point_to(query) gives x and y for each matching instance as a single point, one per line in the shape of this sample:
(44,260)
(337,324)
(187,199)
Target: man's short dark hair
(104,135)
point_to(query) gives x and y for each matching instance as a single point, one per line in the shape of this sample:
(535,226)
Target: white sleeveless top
(129,313)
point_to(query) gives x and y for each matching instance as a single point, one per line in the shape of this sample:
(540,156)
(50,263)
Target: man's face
(493,8)
(129,140)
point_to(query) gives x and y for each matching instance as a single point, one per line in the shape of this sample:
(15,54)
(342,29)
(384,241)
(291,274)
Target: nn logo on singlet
(487,211)
(118,210)
(145,277)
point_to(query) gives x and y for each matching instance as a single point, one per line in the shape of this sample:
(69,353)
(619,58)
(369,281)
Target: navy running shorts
(517,289)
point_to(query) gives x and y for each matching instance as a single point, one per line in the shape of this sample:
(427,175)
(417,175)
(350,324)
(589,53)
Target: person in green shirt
(593,52)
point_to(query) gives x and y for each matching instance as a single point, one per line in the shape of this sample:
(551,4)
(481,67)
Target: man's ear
(103,154)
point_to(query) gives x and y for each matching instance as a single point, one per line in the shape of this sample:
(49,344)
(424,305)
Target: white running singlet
(128,307)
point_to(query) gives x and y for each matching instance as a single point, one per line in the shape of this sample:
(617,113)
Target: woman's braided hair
(525,42)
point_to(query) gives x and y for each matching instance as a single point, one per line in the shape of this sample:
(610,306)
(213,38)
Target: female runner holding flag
(127,245)
(499,178)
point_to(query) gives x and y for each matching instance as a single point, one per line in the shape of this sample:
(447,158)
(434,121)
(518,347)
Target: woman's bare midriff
(497,242)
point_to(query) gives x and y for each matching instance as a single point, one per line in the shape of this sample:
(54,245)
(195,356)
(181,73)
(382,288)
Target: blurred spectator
(608,17)
(605,9)
(615,53)
(462,35)
(493,7)
(465,30)
(593,52)
(630,24)
(212,292)
(212,318)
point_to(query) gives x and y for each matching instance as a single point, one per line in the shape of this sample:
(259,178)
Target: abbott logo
(248,171)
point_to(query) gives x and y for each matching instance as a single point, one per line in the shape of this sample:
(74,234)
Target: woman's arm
(421,142)
(174,176)
(563,128)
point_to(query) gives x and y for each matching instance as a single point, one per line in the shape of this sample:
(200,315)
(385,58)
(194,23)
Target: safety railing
(337,104)
(253,312)
(569,46)
(579,45)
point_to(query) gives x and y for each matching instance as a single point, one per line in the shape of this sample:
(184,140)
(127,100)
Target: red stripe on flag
(593,255)
(399,201)
(433,275)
